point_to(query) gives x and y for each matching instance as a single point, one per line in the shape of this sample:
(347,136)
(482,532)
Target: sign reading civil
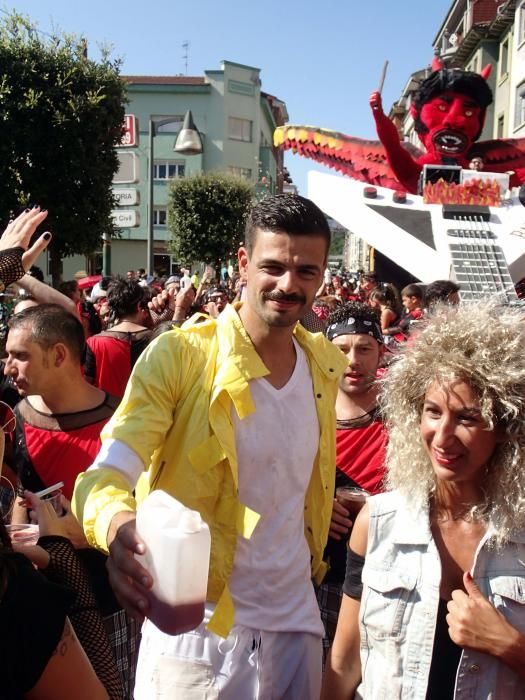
(125,218)
(130,136)
(127,197)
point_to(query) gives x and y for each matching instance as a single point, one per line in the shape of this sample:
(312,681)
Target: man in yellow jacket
(235,418)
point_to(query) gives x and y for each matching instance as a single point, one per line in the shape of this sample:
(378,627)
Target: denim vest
(401,579)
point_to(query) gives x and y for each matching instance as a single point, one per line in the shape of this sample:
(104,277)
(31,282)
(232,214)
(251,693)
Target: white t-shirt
(276,449)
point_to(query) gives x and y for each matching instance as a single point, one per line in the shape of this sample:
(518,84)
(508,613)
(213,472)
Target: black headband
(353,326)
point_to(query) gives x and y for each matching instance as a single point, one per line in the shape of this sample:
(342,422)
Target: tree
(61,117)
(338,243)
(207,215)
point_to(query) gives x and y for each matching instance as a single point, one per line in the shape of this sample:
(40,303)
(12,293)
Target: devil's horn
(437,63)
(486,71)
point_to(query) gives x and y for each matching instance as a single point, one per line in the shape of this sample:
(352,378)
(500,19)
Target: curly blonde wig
(483,345)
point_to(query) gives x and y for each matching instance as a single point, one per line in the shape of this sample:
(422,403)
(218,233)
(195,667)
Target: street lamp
(188,143)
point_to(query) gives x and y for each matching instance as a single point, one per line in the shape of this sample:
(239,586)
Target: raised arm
(45,294)
(405,168)
(16,255)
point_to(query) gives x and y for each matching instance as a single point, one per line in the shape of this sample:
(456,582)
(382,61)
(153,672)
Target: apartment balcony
(470,21)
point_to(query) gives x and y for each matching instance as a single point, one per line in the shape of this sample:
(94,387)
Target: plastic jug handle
(190,522)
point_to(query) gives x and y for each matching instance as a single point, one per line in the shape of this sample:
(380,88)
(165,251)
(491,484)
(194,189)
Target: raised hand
(376,102)
(18,235)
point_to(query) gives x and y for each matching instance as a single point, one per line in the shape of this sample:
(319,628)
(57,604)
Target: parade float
(427,209)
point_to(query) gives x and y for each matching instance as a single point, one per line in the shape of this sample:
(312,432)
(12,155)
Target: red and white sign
(131,133)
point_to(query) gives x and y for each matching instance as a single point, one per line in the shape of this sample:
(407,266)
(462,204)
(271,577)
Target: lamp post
(188,143)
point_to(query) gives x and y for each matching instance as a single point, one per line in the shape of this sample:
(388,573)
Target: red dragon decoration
(449,112)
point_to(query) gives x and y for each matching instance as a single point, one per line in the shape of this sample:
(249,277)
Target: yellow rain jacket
(176,415)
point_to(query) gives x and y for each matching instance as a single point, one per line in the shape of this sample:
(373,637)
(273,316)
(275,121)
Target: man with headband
(360,443)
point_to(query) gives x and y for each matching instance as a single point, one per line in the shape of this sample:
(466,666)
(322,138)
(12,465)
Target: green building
(236,120)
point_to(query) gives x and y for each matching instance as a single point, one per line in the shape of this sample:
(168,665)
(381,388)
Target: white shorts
(248,665)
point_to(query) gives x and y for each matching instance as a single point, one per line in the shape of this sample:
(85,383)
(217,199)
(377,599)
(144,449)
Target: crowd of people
(258,396)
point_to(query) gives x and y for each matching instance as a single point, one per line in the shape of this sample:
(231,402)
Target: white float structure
(482,248)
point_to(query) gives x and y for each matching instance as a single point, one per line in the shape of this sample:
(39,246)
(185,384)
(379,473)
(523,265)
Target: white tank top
(276,449)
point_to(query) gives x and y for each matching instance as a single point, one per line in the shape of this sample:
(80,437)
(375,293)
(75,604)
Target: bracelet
(11,268)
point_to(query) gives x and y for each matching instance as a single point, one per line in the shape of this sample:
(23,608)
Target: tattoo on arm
(66,641)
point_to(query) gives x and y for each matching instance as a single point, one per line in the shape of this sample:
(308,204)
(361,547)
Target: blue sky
(322,58)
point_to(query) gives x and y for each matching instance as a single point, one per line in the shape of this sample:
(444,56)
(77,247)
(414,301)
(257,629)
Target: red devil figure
(449,111)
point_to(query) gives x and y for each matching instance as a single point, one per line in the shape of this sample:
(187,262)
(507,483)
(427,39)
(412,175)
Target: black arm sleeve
(353,585)
(66,569)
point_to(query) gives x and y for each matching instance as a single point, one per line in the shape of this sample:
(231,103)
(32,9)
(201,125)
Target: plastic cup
(24,534)
(54,500)
(352,498)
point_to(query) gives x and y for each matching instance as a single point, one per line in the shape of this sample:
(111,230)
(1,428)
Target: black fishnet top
(66,569)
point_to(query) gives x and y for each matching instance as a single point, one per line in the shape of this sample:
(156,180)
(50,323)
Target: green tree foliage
(61,116)
(207,215)
(338,244)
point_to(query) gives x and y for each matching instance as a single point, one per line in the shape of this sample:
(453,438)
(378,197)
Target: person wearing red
(360,439)
(111,354)
(57,436)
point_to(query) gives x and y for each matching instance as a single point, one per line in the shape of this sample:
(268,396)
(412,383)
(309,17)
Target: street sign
(125,218)
(128,171)
(127,197)
(130,136)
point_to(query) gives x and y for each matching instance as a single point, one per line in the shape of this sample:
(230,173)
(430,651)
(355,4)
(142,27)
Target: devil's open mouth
(448,141)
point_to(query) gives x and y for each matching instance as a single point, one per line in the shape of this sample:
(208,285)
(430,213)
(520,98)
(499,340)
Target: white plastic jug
(177,556)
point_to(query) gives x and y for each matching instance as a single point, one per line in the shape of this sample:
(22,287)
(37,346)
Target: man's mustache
(280,296)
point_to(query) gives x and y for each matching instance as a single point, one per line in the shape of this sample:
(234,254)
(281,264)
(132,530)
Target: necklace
(363,419)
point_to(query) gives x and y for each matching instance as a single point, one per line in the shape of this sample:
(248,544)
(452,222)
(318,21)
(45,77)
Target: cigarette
(50,489)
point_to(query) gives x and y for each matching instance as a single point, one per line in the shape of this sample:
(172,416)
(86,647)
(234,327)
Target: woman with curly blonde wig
(434,599)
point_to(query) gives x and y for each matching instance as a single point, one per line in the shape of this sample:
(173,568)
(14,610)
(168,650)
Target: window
(240,172)
(473,65)
(167,170)
(160,217)
(521,23)
(504,58)
(239,129)
(501,126)
(519,114)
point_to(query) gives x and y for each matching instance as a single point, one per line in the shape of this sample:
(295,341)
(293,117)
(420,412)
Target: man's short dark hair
(124,296)
(463,82)
(51,324)
(413,290)
(440,290)
(105,282)
(353,309)
(286,213)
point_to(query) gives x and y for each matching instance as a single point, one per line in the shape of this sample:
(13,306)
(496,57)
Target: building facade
(475,33)
(236,120)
